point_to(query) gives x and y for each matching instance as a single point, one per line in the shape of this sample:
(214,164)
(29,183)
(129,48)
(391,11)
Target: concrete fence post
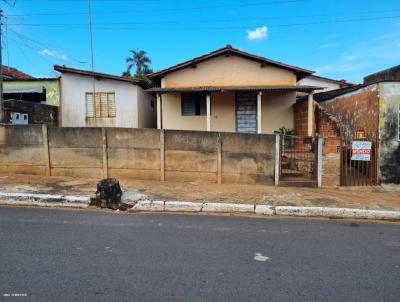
(105,155)
(277,158)
(46,151)
(219,159)
(320,145)
(162,155)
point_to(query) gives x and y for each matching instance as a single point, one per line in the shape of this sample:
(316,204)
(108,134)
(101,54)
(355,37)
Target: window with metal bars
(102,106)
(193,104)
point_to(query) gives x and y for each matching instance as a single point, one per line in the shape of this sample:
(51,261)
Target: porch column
(159,111)
(208,112)
(259,97)
(310,114)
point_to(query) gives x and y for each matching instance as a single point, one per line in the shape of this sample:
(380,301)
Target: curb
(266,210)
(47,200)
(44,200)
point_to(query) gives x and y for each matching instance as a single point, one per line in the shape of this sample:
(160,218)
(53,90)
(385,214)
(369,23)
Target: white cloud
(385,36)
(329,45)
(350,57)
(53,54)
(260,33)
(363,58)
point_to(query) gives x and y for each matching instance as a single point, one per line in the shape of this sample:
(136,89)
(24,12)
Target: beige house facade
(228,90)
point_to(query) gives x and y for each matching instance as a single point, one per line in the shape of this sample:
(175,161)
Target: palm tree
(140,61)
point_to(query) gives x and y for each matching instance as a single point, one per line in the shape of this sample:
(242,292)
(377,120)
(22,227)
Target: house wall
(357,110)
(138,154)
(73,107)
(300,118)
(52,88)
(223,114)
(277,111)
(389,101)
(146,109)
(173,119)
(229,71)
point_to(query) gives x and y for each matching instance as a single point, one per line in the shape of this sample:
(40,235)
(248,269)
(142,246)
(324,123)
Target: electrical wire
(163,9)
(111,26)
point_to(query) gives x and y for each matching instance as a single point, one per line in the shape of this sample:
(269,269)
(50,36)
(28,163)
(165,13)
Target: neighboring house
(10,73)
(36,90)
(19,112)
(29,100)
(228,90)
(327,83)
(92,99)
(370,111)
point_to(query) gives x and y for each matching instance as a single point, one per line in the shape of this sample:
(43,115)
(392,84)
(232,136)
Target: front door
(246,112)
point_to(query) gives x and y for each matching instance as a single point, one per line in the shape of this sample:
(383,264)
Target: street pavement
(75,255)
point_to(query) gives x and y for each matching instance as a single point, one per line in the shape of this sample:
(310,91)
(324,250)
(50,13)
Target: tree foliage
(140,62)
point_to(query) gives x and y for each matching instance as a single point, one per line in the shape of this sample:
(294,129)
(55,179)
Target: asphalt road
(63,255)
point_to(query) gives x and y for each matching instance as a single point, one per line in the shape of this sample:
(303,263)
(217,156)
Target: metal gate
(298,158)
(358,160)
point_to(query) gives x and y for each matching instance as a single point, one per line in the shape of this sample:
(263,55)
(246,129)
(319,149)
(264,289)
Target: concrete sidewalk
(368,198)
(150,196)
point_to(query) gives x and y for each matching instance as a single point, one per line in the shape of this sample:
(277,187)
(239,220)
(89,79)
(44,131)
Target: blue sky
(337,38)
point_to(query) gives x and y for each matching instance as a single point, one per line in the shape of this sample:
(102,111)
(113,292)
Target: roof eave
(300,71)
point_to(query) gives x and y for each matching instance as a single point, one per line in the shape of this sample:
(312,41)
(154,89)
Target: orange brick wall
(301,118)
(359,111)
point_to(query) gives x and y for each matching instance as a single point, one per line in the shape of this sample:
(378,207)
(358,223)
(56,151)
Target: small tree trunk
(108,194)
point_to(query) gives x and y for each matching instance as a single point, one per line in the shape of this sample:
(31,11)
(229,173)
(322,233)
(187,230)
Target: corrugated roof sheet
(235,88)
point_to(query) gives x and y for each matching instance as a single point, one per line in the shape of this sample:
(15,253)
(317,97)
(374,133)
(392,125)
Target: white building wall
(147,109)
(327,85)
(73,103)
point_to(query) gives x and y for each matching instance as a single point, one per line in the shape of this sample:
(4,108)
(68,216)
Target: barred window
(193,104)
(103,104)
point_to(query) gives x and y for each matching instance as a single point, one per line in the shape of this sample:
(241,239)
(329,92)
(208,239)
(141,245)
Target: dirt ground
(380,198)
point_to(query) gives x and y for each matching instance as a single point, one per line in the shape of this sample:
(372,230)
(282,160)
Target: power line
(213,20)
(111,26)
(42,44)
(164,9)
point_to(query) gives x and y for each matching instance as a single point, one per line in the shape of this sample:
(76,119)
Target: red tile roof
(15,74)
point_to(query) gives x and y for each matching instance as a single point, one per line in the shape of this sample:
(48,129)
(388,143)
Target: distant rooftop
(83,72)
(15,74)
(387,75)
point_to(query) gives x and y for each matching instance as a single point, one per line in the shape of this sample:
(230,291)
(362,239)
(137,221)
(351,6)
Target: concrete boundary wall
(146,154)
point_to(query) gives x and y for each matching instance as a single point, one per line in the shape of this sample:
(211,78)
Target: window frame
(109,101)
(199,99)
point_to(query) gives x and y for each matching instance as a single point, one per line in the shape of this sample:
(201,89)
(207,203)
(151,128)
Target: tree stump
(108,194)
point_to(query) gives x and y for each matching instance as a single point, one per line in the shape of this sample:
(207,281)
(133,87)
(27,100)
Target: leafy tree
(141,62)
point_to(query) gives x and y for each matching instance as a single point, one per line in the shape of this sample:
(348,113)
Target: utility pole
(1,69)
(91,51)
